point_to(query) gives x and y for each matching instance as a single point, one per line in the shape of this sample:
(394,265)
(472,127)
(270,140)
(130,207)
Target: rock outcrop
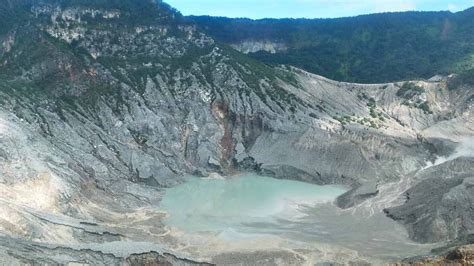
(463,255)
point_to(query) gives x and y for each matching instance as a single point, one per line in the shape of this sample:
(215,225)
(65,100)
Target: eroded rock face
(99,111)
(155,259)
(250,46)
(440,206)
(463,255)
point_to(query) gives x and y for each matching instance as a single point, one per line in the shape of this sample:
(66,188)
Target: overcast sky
(310,8)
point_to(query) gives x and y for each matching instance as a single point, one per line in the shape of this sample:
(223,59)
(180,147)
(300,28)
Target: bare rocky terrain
(102,109)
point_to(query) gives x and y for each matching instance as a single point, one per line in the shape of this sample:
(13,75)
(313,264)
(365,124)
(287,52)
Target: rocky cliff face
(257,46)
(101,109)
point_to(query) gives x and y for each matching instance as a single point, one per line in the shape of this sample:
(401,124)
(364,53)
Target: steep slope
(446,211)
(100,109)
(371,48)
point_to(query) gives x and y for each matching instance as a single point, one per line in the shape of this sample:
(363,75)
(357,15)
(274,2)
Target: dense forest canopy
(369,48)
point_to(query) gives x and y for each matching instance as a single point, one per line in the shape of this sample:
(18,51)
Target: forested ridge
(370,48)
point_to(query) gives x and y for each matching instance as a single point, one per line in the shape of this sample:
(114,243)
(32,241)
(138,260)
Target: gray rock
(439,207)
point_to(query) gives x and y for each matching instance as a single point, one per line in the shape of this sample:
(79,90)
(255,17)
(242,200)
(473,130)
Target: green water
(219,205)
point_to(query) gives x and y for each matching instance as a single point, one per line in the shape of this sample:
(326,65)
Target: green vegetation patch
(366,49)
(465,78)
(410,90)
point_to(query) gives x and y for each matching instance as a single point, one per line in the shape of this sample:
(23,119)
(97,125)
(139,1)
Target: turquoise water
(231,204)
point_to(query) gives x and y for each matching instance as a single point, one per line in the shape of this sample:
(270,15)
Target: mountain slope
(100,110)
(371,48)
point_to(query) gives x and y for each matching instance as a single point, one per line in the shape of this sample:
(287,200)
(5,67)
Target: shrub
(425,107)
(465,78)
(410,90)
